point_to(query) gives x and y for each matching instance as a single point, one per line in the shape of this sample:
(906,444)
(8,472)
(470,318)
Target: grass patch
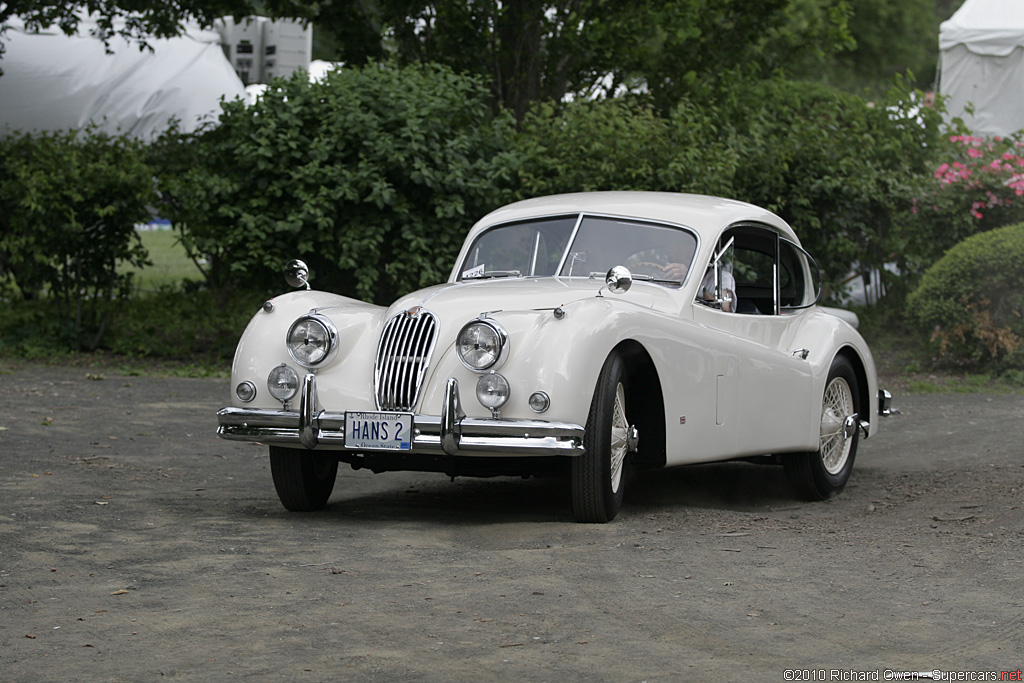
(170,265)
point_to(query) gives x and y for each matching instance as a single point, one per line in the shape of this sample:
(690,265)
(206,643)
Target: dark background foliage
(448,109)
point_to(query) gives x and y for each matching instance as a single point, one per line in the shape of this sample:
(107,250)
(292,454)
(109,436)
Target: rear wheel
(598,475)
(823,473)
(303,479)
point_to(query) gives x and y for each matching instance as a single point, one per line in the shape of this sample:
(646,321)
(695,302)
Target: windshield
(540,248)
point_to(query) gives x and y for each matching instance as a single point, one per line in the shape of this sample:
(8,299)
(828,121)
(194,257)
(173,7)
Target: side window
(799,282)
(756,260)
(766,273)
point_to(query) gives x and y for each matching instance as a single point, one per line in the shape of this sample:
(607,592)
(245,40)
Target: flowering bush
(987,165)
(978,186)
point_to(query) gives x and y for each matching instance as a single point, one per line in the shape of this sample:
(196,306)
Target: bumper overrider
(450,433)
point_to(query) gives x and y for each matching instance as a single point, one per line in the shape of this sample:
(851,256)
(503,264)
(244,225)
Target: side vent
(402,358)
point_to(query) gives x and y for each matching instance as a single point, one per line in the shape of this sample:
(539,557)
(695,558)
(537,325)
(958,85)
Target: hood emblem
(414,313)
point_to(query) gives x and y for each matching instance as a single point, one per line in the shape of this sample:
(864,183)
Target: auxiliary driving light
(492,390)
(283,383)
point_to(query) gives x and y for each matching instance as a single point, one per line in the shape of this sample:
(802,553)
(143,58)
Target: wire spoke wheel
(836,408)
(598,475)
(823,473)
(620,437)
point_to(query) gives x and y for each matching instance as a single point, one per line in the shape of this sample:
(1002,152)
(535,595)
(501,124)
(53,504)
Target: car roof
(705,215)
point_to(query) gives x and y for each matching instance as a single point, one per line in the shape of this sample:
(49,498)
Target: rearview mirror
(619,280)
(296,274)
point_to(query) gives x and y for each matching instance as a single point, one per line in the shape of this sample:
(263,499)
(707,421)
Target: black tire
(303,479)
(598,476)
(821,474)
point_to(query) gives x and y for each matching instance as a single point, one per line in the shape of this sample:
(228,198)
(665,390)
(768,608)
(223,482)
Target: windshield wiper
(488,274)
(658,280)
(645,278)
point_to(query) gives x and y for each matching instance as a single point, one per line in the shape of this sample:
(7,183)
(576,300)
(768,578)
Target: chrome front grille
(402,358)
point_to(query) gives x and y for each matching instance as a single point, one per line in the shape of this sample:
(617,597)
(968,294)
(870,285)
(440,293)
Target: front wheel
(597,475)
(303,479)
(823,473)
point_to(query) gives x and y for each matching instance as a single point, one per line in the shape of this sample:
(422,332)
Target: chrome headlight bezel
(325,346)
(467,345)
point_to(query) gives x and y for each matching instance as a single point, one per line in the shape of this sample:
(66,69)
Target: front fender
(825,336)
(560,356)
(262,345)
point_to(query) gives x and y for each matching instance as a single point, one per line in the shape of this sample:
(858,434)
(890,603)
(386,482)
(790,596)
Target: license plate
(378,431)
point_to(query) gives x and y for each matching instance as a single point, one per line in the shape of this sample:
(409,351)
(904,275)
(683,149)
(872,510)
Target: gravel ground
(136,545)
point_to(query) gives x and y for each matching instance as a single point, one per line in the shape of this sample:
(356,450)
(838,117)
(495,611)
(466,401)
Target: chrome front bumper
(450,433)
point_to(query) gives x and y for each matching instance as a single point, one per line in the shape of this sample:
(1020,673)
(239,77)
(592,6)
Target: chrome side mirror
(618,280)
(296,274)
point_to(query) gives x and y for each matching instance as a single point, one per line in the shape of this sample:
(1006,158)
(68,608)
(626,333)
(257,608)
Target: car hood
(479,296)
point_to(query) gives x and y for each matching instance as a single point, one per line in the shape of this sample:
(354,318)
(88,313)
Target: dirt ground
(135,545)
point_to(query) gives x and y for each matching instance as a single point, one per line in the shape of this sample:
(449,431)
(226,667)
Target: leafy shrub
(843,171)
(373,176)
(69,203)
(971,301)
(182,323)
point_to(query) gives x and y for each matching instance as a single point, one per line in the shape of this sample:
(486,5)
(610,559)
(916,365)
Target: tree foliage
(540,51)
(372,176)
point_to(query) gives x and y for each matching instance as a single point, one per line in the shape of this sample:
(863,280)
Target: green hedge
(971,302)
(372,176)
(69,203)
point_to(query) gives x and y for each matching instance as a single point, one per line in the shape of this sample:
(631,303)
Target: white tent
(57,82)
(981,64)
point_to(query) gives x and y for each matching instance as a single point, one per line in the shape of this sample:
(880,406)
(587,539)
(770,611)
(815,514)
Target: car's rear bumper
(450,433)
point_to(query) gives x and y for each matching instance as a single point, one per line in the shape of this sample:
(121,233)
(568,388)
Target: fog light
(492,390)
(246,391)
(283,383)
(539,401)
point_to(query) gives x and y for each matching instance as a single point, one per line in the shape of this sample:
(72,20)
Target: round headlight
(481,344)
(283,383)
(312,339)
(492,390)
